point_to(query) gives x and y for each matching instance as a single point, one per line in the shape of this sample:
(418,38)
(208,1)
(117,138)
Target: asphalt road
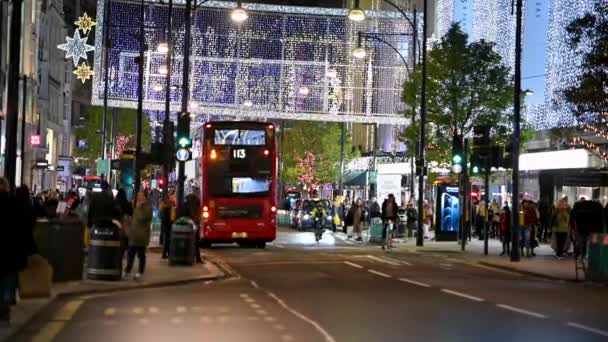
(296,290)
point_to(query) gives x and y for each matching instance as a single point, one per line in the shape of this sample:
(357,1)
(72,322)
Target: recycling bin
(597,269)
(183,242)
(105,254)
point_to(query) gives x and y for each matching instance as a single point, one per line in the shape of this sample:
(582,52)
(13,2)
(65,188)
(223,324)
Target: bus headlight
(306,217)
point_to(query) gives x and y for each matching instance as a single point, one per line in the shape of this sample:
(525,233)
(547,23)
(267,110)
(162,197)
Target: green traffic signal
(457,159)
(184,142)
(475,169)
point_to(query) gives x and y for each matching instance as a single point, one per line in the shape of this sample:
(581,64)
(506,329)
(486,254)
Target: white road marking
(382,260)
(143,321)
(380,273)
(414,282)
(587,328)
(463,295)
(317,326)
(353,264)
(270,319)
(206,319)
(249,300)
(254,284)
(153,310)
(244,295)
(254,306)
(176,320)
(396,262)
(138,311)
(521,311)
(494,269)
(181,309)
(279,326)
(278,245)
(253,318)
(261,312)
(110,312)
(445,265)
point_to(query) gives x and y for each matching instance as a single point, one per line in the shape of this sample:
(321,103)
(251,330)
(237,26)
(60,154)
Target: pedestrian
(560,225)
(505,229)
(494,218)
(193,204)
(62,205)
(14,248)
(427,219)
(545,215)
(374,209)
(412,217)
(125,214)
(139,235)
(529,220)
(51,204)
(389,215)
(166,209)
(358,218)
(481,219)
(102,208)
(587,218)
(348,220)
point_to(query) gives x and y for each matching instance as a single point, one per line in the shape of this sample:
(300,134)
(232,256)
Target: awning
(356,179)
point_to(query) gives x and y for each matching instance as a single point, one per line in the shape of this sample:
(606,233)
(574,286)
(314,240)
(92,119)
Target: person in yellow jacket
(560,224)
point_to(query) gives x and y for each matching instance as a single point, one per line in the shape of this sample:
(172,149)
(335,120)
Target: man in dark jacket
(389,213)
(103,206)
(588,218)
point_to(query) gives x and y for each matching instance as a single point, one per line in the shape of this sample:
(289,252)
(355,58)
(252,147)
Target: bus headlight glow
(213,154)
(273,209)
(206,214)
(266,152)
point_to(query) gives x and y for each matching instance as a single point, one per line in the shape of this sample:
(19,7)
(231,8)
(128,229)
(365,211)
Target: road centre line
(521,311)
(353,264)
(462,295)
(397,262)
(380,273)
(587,328)
(414,282)
(254,284)
(317,326)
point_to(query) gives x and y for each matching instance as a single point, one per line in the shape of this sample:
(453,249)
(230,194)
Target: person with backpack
(139,235)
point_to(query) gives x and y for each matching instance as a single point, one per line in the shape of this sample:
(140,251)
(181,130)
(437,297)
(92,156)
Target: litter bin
(597,269)
(182,246)
(105,255)
(375,230)
(67,261)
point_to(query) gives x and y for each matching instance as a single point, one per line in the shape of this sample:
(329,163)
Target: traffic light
(507,159)
(475,164)
(184,142)
(457,154)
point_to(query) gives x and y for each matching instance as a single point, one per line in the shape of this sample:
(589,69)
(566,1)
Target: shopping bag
(35,281)
(336,220)
(349,231)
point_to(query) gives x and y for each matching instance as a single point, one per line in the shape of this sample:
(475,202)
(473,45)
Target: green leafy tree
(321,139)
(588,97)
(126,128)
(467,85)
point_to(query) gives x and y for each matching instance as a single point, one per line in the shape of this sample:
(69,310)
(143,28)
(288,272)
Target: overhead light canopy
(162,48)
(304,91)
(163,70)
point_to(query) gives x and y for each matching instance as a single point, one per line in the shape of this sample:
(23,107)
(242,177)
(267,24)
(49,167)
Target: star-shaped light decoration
(76,47)
(83,72)
(85,23)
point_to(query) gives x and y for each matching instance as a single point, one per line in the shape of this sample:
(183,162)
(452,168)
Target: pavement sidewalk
(158,274)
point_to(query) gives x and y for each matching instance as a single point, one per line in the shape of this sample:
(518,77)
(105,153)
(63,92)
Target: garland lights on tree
(307,165)
(588,98)
(122,141)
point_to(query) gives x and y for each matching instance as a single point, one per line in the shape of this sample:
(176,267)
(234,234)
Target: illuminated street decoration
(283,62)
(83,72)
(85,23)
(76,47)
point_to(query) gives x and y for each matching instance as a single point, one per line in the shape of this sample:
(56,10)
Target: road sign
(60,168)
(183,154)
(35,140)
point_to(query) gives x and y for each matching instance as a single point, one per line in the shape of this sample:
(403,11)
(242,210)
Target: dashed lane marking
(153,310)
(254,284)
(521,311)
(270,319)
(244,295)
(317,326)
(48,332)
(110,311)
(414,282)
(249,300)
(181,309)
(255,306)
(380,273)
(138,311)
(587,328)
(261,312)
(279,326)
(353,264)
(176,320)
(462,295)
(396,262)
(382,260)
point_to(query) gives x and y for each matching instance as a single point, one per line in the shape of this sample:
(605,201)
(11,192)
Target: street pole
(140,102)
(515,255)
(167,118)
(464,182)
(342,137)
(183,123)
(486,184)
(374,157)
(412,166)
(106,48)
(23,124)
(12,94)
(420,159)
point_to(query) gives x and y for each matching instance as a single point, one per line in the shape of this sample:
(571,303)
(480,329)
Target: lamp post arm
(407,66)
(400,11)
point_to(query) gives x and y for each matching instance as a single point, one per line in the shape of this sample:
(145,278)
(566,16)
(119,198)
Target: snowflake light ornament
(76,47)
(85,23)
(83,72)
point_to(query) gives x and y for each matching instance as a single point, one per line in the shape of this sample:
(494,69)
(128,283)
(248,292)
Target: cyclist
(319,214)
(389,216)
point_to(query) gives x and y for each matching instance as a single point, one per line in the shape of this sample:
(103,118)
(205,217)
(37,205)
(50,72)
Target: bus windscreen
(240,187)
(240,137)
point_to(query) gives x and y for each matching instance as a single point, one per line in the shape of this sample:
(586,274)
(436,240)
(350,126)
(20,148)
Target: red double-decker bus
(238,186)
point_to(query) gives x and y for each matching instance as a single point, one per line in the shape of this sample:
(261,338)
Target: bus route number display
(239,153)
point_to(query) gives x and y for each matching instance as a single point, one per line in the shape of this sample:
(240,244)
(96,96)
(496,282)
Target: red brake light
(271,126)
(266,152)
(213,154)
(208,125)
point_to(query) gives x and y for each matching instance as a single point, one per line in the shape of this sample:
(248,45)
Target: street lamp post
(515,254)
(167,119)
(140,101)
